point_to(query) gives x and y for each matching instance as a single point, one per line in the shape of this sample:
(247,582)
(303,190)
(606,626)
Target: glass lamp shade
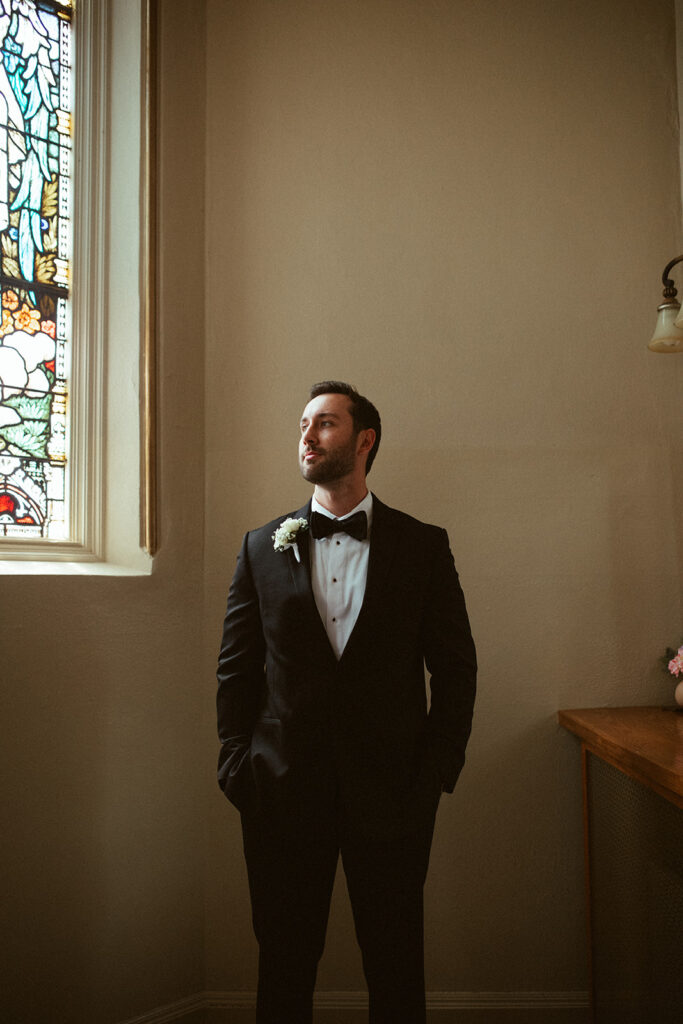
(668,337)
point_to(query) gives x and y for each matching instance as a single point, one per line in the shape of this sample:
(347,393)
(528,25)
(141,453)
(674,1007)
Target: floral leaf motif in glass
(35,161)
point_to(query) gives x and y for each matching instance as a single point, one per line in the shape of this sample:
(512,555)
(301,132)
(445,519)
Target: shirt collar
(363,506)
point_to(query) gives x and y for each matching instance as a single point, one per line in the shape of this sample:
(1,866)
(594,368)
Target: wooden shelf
(645,743)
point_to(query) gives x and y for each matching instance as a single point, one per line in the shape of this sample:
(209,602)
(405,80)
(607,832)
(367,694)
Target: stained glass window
(35,241)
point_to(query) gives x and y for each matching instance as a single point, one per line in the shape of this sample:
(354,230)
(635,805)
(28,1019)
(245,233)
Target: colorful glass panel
(35,239)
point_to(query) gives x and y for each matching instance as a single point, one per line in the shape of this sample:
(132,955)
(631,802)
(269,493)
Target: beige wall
(103,790)
(464,208)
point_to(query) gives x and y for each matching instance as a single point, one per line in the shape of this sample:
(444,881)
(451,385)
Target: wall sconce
(668,336)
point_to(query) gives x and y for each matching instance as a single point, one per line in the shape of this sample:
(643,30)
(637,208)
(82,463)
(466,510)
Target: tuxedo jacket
(301,731)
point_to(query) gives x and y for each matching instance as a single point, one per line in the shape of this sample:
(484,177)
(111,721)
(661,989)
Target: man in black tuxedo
(328,746)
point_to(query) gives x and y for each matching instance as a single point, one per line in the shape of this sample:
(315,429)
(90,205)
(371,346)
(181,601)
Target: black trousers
(291,874)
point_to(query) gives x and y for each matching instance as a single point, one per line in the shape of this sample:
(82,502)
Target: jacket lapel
(301,577)
(383,547)
(301,569)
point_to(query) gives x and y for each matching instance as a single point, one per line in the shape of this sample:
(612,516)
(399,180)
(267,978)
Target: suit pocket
(435,766)
(267,755)
(429,782)
(239,783)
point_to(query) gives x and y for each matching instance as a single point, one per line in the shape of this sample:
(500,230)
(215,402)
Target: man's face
(328,443)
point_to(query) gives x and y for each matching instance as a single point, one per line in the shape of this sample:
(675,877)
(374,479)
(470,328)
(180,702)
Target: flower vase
(678,694)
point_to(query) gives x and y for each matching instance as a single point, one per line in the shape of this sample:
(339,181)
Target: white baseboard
(454,1006)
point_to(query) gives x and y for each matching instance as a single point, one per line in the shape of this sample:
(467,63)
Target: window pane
(35,240)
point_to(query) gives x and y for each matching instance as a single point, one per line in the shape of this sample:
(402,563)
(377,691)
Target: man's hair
(363,412)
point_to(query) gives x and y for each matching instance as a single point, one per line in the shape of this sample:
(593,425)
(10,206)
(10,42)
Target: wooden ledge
(645,743)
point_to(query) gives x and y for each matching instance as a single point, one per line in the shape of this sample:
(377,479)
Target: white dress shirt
(339,570)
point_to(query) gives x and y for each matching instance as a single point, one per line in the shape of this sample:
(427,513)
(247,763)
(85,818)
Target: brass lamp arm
(669,286)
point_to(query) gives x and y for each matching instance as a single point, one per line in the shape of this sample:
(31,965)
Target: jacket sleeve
(241,681)
(451,661)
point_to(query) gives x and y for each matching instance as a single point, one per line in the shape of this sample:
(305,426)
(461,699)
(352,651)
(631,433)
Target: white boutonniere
(287,533)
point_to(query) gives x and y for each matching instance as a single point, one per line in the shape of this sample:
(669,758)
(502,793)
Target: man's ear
(367,439)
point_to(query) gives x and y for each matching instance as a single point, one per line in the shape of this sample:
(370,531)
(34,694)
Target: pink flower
(676,664)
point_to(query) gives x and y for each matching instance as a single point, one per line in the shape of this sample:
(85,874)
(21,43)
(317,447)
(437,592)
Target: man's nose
(308,436)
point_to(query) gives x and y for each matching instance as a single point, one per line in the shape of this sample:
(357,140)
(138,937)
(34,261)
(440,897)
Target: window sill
(65,559)
(84,568)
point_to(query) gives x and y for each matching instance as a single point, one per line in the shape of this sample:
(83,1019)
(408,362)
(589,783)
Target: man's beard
(333,465)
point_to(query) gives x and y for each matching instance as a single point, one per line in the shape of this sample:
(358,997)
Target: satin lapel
(301,570)
(383,546)
(301,577)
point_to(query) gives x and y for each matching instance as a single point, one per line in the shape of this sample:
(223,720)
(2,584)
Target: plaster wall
(464,209)
(102,786)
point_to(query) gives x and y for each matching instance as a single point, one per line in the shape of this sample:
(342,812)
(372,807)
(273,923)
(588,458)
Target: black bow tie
(356,525)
